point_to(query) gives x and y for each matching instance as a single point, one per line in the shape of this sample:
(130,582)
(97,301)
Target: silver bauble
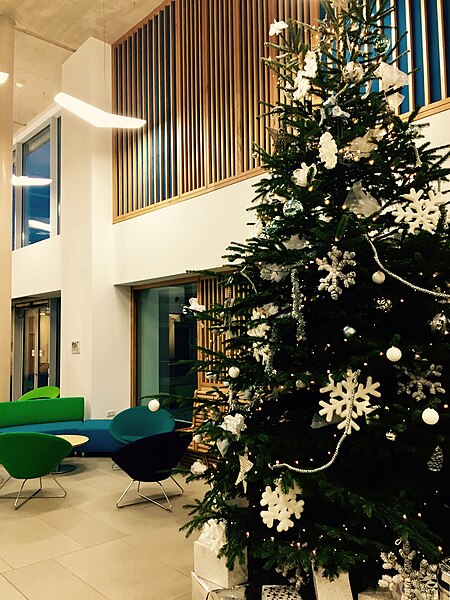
(292,208)
(382,43)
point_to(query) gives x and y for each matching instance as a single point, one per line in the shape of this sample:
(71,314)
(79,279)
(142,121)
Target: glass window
(36,199)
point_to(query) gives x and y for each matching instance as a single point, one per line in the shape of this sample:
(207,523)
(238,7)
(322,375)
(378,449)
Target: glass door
(36,346)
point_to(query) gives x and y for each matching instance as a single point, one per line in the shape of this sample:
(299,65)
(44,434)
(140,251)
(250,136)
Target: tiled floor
(82,546)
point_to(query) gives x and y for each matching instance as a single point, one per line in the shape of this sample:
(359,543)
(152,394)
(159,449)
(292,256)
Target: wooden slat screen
(193,70)
(146,164)
(427,48)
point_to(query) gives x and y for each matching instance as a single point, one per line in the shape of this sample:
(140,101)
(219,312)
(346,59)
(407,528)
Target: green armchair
(46,391)
(26,455)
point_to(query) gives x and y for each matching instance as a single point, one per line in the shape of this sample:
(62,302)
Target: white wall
(190,235)
(36,269)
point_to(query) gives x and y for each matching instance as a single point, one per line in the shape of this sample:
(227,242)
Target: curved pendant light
(25,181)
(96,116)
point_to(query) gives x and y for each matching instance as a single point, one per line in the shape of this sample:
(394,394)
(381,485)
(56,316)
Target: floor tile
(8,591)
(120,571)
(70,588)
(4,566)
(70,519)
(41,573)
(28,540)
(176,551)
(96,535)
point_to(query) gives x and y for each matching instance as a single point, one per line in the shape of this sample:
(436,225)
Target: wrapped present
(338,588)
(208,566)
(279,592)
(202,589)
(377,594)
(235,593)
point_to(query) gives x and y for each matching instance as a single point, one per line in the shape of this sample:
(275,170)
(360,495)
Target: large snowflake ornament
(346,396)
(281,507)
(413,583)
(420,380)
(421,212)
(335,268)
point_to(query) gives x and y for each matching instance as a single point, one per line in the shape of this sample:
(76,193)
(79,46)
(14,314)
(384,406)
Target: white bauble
(234,372)
(430,416)
(378,277)
(197,438)
(300,385)
(153,405)
(394,354)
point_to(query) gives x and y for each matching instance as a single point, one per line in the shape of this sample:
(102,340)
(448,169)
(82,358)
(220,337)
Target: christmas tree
(330,427)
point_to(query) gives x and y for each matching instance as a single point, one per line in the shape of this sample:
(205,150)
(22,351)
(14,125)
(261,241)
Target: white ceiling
(49,31)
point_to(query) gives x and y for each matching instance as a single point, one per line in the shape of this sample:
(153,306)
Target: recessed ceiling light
(3,77)
(19,85)
(96,116)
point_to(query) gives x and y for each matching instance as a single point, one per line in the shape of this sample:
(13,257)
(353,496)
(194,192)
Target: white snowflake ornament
(336,274)
(345,396)
(281,507)
(421,212)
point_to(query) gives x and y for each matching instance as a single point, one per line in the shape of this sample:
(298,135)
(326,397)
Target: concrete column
(6,138)
(94,312)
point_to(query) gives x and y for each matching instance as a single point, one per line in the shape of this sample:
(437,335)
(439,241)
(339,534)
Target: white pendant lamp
(96,116)
(3,77)
(25,181)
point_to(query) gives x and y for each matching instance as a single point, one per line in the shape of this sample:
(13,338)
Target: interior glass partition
(166,340)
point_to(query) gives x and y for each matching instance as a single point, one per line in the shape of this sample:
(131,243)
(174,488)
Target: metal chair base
(18,504)
(145,498)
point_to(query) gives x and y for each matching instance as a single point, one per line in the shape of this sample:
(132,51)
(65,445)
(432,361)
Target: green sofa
(58,415)
(44,415)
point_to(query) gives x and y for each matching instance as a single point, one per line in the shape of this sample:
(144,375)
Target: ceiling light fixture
(24,180)
(3,77)
(34,224)
(96,116)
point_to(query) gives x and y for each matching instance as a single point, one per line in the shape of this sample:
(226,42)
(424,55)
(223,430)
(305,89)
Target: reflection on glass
(29,350)
(166,342)
(36,347)
(36,200)
(44,346)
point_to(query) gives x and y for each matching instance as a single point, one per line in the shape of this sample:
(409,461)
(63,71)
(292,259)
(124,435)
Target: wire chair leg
(25,500)
(128,487)
(176,482)
(63,495)
(4,481)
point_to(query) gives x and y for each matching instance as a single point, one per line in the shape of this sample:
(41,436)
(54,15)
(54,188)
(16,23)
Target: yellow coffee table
(75,440)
